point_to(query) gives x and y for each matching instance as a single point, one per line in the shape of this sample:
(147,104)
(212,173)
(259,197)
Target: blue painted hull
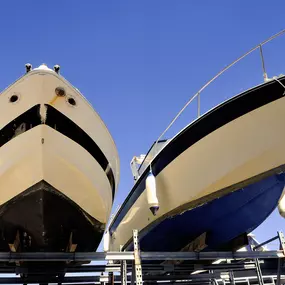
(223,219)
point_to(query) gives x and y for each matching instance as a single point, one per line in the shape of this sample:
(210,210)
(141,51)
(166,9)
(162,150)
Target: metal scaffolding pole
(137,262)
(234,268)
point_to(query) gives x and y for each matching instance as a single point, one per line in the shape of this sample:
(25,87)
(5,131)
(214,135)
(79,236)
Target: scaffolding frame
(137,267)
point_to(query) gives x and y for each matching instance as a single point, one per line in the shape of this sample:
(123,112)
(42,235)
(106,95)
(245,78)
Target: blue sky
(138,62)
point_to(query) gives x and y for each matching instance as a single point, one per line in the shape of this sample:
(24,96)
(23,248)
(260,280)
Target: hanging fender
(152,200)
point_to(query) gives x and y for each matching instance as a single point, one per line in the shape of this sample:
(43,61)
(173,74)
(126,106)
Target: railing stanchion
(259,46)
(265,77)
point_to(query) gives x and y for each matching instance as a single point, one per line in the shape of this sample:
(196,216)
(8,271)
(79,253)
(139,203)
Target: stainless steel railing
(198,94)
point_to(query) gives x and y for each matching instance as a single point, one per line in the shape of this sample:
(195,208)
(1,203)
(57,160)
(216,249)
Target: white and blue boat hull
(237,145)
(223,219)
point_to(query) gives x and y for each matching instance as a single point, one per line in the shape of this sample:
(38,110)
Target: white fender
(281,204)
(106,241)
(150,185)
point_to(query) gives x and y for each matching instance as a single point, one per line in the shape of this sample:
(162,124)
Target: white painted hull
(239,150)
(60,162)
(43,153)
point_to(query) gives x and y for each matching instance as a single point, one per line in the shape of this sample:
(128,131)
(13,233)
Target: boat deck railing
(198,94)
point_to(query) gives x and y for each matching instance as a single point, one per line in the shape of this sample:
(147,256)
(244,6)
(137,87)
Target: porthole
(60,91)
(71,101)
(14,98)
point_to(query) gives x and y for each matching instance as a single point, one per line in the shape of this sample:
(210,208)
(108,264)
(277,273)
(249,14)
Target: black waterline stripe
(221,115)
(62,124)
(22,123)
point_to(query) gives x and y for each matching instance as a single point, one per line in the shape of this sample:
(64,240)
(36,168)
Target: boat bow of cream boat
(59,166)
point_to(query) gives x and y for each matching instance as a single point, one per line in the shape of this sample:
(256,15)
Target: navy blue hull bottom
(222,219)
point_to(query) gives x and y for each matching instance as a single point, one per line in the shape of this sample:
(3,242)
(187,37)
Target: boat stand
(258,266)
